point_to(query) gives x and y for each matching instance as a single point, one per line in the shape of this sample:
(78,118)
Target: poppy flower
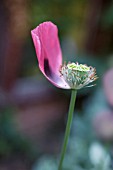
(49,55)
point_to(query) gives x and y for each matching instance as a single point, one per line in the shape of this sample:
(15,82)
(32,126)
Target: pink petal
(46,42)
(108,85)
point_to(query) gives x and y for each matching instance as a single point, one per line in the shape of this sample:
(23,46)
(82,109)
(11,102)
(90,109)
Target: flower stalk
(68,127)
(72,76)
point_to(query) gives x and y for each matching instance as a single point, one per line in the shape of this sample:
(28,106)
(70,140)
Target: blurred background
(33,112)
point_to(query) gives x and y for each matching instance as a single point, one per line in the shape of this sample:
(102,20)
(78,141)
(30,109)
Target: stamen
(78,75)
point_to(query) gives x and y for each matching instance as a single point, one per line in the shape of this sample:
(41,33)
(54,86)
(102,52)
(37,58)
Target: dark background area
(32,111)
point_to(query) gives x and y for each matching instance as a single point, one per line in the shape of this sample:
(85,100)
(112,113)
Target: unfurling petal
(46,42)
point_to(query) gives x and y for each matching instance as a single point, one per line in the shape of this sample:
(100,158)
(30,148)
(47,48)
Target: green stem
(68,127)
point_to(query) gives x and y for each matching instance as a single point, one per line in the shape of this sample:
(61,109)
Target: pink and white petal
(58,81)
(46,42)
(47,46)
